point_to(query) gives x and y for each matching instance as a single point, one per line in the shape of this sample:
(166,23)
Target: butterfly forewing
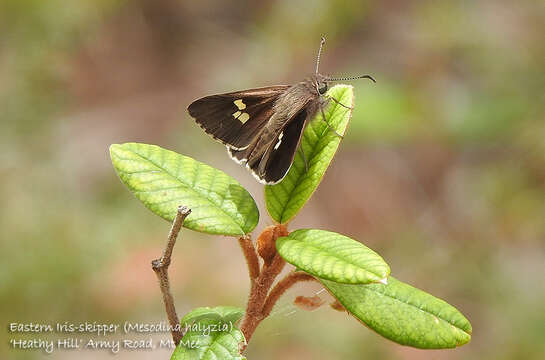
(236,118)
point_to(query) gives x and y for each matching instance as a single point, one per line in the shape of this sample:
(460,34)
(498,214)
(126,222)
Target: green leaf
(404,314)
(225,314)
(163,180)
(211,335)
(332,256)
(285,199)
(223,345)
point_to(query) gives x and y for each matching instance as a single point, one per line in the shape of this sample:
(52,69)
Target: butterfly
(262,127)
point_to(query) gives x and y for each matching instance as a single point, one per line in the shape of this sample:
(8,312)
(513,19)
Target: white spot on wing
(279,141)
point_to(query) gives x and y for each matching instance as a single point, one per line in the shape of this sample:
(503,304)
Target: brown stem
(250,255)
(261,284)
(160,267)
(280,288)
(258,294)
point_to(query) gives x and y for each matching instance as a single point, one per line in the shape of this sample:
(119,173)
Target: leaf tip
(113,148)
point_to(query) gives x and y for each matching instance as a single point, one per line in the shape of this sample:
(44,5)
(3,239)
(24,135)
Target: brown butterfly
(262,127)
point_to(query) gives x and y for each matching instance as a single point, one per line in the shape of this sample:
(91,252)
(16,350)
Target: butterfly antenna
(322,42)
(353,78)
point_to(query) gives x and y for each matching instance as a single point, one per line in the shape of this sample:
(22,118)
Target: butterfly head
(321,83)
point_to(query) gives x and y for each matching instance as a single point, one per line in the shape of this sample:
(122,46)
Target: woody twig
(160,267)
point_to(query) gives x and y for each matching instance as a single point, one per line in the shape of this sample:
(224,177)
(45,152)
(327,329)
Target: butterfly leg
(329,126)
(343,105)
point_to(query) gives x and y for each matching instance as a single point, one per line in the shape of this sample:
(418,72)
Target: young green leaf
(225,314)
(404,314)
(211,335)
(163,180)
(332,256)
(319,144)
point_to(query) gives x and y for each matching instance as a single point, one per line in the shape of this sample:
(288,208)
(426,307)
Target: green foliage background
(441,170)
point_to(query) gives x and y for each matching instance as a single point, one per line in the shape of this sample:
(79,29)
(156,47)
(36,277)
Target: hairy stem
(280,288)
(262,299)
(160,267)
(258,294)
(250,255)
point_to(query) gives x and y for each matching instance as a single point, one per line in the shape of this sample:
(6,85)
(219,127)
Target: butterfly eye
(323,88)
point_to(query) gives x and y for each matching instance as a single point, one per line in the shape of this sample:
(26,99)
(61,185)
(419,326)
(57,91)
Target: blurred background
(442,170)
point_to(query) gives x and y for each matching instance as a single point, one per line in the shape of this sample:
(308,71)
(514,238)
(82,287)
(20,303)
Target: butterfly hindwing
(279,158)
(270,163)
(236,118)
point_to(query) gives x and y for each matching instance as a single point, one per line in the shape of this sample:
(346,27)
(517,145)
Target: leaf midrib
(182,182)
(338,258)
(411,305)
(299,179)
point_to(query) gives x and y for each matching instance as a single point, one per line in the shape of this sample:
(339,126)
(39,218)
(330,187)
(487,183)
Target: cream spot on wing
(240,104)
(244,117)
(279,141)
(236,114)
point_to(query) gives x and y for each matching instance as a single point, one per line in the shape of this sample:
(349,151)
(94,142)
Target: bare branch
(160,267)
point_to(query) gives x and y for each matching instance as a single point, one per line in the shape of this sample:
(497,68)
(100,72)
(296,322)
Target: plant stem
(259,289)
(280,288)
(160,267)
(250,255)
(262,299)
